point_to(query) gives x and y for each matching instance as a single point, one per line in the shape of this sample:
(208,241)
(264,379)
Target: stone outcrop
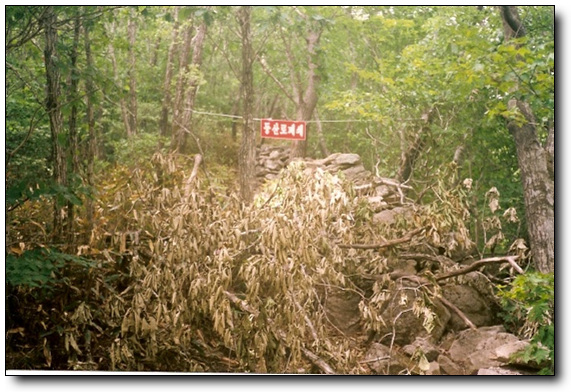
(383,193)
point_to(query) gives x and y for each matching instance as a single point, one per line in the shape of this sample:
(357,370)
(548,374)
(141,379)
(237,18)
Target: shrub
(528,309)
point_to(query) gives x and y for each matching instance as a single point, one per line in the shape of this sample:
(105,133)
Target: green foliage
(137,149)
(40,268)
(529,309)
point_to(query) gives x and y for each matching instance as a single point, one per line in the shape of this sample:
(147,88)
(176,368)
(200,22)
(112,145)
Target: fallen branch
(315,359)
(407,237)
(197,160)
(455,309)
(477,264)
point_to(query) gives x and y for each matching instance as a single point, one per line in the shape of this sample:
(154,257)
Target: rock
(346,160)
(273,165)
(497,371)
(434,369)
(423,345)
(382,360)
(275,154)
(389,217)
(355,173)
(476,349)
(399,317)
(342,309)
(471,303)
(448,366)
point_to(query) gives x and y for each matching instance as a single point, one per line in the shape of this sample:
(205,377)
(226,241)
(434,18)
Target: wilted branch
(385,244)
(460,314)
(477,264)
(197,160)
(315,359)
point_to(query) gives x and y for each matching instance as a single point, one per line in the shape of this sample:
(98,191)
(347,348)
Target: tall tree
(53,107)
(132,33)
(533,160)
(91,140)
(180,137)
(169,68)
(118,82)
(73,98)
(247,158)
(303,89)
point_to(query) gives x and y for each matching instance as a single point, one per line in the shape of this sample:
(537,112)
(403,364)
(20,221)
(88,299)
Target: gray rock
(389,217)
(399,317)
(476,349)
(471,303)
(448,366)
(382,360)
(497,371)
(423,345)
(346,160)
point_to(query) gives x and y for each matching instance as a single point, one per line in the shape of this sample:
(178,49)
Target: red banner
(282,129)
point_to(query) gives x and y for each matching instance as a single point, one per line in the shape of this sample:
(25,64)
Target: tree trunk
(119,83)
(410,154)
(533,162)
(132,31)
(72,150)
(305,100)
(181,136)
(235,113)
(53,92)
(322,144)
(538,189)
(167,99)
(178,106)
(90,156)
(307,103)
(247,158)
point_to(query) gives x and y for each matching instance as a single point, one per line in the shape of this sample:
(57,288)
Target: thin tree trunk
(247,158)
(305,100)
(72,150)
(180,138)
(410,155)
(167,99)
(53,92)
(538,184)
(91,139)
(308,102)
(235,112)
(322,144)
(132,32)
(181,83)
(119,83)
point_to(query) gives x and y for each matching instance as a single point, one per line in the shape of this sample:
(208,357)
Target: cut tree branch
(315,359)
(477,264)
(406,238)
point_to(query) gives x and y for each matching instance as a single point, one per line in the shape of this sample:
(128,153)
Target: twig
(385,244)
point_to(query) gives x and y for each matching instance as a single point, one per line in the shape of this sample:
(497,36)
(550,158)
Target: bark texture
(535,166)
(538,189)
(180,137)
(52,105)
(247,158)
(167,98)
